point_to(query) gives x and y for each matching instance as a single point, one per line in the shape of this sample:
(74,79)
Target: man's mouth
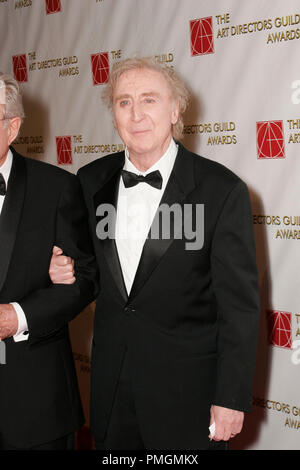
(140,131)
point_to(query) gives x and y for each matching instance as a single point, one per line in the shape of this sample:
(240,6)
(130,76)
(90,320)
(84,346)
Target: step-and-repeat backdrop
(240,59)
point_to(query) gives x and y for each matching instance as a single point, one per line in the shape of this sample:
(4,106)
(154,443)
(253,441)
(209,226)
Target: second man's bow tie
(131,179)
(2,186)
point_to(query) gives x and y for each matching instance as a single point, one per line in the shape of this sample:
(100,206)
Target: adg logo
(53,6)
(20,67)
(280,328)
(201,36)
(64,150)
(270,139)
(2,353)
(100,68)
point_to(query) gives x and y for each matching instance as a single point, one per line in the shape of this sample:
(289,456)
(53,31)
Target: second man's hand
(61,269)
(228,423)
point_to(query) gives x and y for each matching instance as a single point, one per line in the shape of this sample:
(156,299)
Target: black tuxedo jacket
(189,325)
(39,398)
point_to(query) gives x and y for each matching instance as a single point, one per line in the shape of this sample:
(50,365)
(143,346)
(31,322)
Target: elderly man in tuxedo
(40,206)
(176,319)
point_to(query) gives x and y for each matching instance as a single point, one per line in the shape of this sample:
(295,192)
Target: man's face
(8,132)
(4,138)
(144,112)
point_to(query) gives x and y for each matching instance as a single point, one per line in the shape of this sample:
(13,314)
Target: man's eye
(149,100)
(124,103)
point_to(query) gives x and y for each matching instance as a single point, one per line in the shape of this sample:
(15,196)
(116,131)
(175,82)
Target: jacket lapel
(180,184)
(11,213)
(108,194)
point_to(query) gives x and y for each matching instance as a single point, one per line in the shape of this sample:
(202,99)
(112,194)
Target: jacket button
(129,310)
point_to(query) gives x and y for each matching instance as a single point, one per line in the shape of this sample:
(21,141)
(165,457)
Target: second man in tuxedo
(40,206)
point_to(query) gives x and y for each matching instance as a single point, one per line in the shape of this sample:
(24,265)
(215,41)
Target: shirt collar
(6,167)
(164,164)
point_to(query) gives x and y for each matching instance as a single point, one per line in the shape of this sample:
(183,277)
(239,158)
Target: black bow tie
(2,186)
(131,179)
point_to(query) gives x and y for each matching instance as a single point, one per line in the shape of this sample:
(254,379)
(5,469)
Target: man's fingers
(228,422)
(59,258)
(60,275)
(70,281)
(61,269)
(63,260)
(227,434)
(222,434)
(226,431)
(219,434)
(57,251)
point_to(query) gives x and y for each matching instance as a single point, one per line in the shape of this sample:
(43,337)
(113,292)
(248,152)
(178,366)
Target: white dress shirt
(22,322)
(136,208)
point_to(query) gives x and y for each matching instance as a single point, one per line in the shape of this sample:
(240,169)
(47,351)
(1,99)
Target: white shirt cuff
(22,332)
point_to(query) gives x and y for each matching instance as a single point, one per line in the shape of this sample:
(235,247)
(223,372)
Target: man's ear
(13,129)
(175,112)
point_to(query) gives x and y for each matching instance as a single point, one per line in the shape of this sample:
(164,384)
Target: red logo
(202,40)
(100,68)
(280,328)
(53,6)
(270,139)
(64,150)
(20,68)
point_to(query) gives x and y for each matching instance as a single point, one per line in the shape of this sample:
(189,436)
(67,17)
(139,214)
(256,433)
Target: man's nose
(137,112)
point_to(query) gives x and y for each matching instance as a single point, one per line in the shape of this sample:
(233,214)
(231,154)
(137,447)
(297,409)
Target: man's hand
(61,269)
(228,422)
(8,321)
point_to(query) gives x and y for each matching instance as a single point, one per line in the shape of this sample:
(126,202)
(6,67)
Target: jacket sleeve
(234,274)
(49,309)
